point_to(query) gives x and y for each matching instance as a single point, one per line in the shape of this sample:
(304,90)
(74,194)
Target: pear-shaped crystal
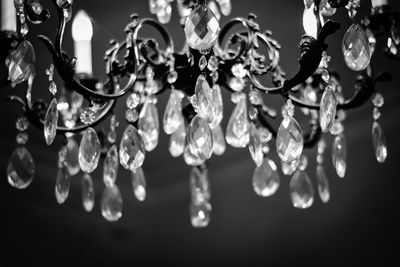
(62,184)
(191,159)
(200,138)
(301,190)
(255,145)
(111,164)
(173,113)
(201,28)
(323,184)
(356,49)
(177,141)
(204,99)
(148,125)
(200,214)
(379,142)
(199,185)
(339,155)
(71,157)
(50,122)
(288,168)
(22,62)
(289,140)
(139,184)
(237,130)
(327,111)
(89,151)
(219,145)
(21,168)
(87,192)
(111,203)
(266,178)
(131,149)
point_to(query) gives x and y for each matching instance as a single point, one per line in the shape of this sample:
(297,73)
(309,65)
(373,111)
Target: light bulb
(82,29)
(310,22)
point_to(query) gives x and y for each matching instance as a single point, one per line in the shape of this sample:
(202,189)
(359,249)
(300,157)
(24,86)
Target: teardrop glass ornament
(20,168)
(138,183)
(289,140)
(71,157)
(89,151)
(288,168)
(255,145)
(237,130)
(266,178)
(111,203)
(219,145)
(173,113)
(339,155)
(356,48)
(191,159)
(379,142)
(148,125)
(22,62)
(204,99)
(131,149)
(200,138)
(50,122)
(88,192)
(199,185)
(200,214)
(110,168)
(327,111)
(323,184)
(218,106)
(301,190)
(62,184)
(177,141)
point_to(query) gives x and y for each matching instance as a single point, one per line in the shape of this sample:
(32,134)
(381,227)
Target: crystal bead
(323,184)
(301,190)
(355,47)
(225,6)
(266,178)
(172,77)
(253,113)
(132,101)
(303,163)
(88,115)
(289,140)
(62,185)
(204,99)
(265,134)
(212,64)
(339,155)
(138,184)
(200,214)
(392,48)
(22,138)
(88,192)
(288,168)
(89,151)
(53,88)
(131,115)
(164,11)
(376,114)
(20,168)
(379,142)
(22,63)
(378,100)
(202,62)
(173,113)
(255,145)
(237,84)
(239,71)
(199,185)
(50,122)
(237,130)
(22,124)
(255,97)
(214,76)
(37,7)
(191,159)
(321,146)
(327,111)
(201,28)
(131,149)
(67,12)
(110,168)
(112,136)
(177,141)
(219,145)
(71,157)
(325,75)
(111,203)
(336,128)
(200,138)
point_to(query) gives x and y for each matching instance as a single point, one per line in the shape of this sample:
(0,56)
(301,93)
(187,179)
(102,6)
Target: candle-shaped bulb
(8,16)
(82,32)
(82,29)
(310,22)
(378,3)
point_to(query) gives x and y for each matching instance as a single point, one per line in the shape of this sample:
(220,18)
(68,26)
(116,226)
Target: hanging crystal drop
(379,142)
(204,99)
(131,149)
(339,155)
(110,169)
(301,190)
(199,185)
(219,145)
(323,184)
(50,122)
(71,157)
(173,113)
(62,185)
(111,203)
(87,192)
(148,125)
(202,62)
(22,63)
(218,106)
(200,214)
(177,141)
(225,7)
(266,178)
(139,184)
(21,168)
(237,130)
(289,140)
(356,49)
(327,111)
(200,138)
(191,159)
(255,145)
(89,151)
(288,168)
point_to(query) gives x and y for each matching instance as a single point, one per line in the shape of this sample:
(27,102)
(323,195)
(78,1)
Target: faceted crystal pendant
(219,145)
(323,184)
(218,106)
(50,122)
(288,168)
(62,184)
(200,214)
(22,63)
(148,125)
(173,113)
(339,155)
(177,141)
(191,159)
(356,49)
(21,168)
(204,99)
(131,149)
(201,28)
(71,157)
(255,145)
(200,138)
(301,190)
(89,151)
(199,185)
(237,130)
(111,164)
(379,142)
(266,178)
(111,203)
(289,140)
(87,192)
(327,111)
(138,184)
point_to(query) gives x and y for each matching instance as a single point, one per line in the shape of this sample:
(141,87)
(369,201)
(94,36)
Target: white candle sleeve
(83,54)
(378,3)
(8,16)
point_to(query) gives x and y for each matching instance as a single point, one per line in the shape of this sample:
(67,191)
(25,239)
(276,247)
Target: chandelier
(238,57)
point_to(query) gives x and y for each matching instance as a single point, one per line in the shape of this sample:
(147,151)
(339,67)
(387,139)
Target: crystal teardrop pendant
(219,145)
(89,151)
(199,185)
(173,113)
(111,203)
(62,185)
(237,130)
(21,168)
(88,192)
(201,28)
(131,149)
(255,145)
(266,178)
(139,184)
(379,142)
(22,62)
(50,122)
(339,155)
(200,138)
(356,49)
(71,157)
(289,140)
(323,184)
(111,164)
(327,111)
(301,190)
(204,99)
(200,214)
(177,141)
(148,125)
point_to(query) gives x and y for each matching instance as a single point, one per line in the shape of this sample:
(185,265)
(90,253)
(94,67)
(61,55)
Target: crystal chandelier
(138,70)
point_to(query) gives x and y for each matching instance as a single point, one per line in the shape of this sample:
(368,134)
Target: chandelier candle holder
(212,60)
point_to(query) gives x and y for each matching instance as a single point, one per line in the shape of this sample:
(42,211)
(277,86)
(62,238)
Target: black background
(358,226)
